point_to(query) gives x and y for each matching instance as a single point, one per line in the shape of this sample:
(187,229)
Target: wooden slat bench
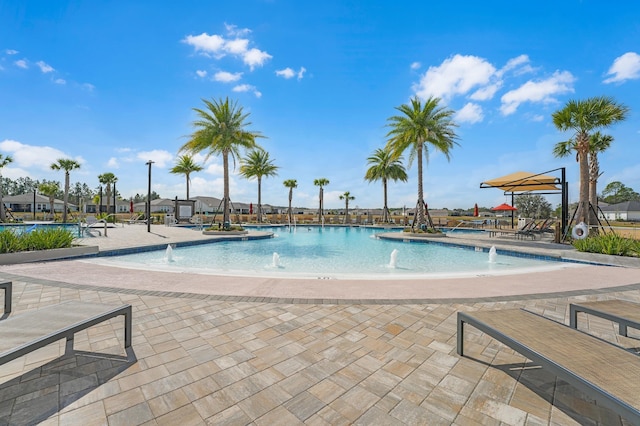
(24,333)
(8,289)
(626,314)
(605,372)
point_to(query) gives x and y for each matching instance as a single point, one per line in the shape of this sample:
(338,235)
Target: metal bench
(626,314)
(24,333)
(605,372)
(8,289)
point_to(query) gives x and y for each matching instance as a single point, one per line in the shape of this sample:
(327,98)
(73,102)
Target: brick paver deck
(222,359)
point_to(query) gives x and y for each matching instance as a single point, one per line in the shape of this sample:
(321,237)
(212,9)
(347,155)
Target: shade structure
(521,182)
(504,207)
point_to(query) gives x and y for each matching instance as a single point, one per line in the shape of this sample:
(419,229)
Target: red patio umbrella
(475,210)
(130,206)
(504,207)
(250,208)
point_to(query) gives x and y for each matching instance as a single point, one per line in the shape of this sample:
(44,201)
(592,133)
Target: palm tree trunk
(320,208)
(583,159)
(385,210)
(2,214)
(594,174)
(187,175)
(346,211)
(259,200)
(66,197)
(108,197)
(420,206)
(290,211)
(225,203)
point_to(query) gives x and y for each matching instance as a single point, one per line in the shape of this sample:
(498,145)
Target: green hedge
(37,239)
(612,244)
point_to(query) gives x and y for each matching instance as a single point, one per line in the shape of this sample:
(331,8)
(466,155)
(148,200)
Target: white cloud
(11,52)
(255,58)
(290,73)
(415,65)
(22,63)
(206,43)
(60,81)
(44,67)
(487,92)
(218,46)
(519,65)
(201,73)
(538,91)
(113,163)
(227,77)
(470,113)
(455,76)
(286,73)
(625,67)
(233,30)
(88,86)
(29,155)
(160,157)
(247,88)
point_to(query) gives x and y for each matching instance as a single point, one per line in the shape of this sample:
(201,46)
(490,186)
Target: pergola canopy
(523,182)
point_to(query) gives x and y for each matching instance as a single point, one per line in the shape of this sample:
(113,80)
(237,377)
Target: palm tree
(584,117)
(321,182)
(4,160)
(221,129)
(67,165)
(185,166)
(258,164)
(418,127)
(385,167)
(50,189)
(108,179)
(290,183)
(347,197)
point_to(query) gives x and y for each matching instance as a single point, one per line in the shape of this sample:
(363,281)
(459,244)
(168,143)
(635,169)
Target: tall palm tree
(67,165)
(4,160)
(584,117)
(418,127)
(321,182)
(185,166)
(221,129)
(290,183)
(346,197)
(108,179)
(385,167)
(50,189)
(257,164)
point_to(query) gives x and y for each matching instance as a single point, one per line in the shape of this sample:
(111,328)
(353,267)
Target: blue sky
(112,84)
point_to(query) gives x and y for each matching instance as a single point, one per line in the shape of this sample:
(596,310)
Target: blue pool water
(329,252)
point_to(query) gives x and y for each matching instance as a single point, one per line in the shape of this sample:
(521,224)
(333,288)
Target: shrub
(37,239)
(611,244)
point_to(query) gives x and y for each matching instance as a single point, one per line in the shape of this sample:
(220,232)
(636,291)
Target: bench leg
(460,337)
(127,328)
(573,317)
(8,290)
(68,348)
(622,329)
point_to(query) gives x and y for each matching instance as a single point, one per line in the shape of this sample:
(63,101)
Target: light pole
(149,163)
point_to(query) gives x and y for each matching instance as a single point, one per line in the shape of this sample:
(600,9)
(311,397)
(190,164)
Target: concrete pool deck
(205,357)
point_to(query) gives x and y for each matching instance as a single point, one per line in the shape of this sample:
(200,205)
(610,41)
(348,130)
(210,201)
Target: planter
(42,255)
(424,235)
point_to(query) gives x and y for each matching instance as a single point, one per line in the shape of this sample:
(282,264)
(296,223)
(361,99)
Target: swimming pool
(331,252)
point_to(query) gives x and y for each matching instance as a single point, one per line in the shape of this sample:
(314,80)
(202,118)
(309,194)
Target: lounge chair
(626,314)
(7,286)
(607,373)
(24,333)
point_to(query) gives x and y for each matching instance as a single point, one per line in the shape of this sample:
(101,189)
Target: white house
(628,210)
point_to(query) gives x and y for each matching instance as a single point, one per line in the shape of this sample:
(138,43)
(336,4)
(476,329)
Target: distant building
(628,210)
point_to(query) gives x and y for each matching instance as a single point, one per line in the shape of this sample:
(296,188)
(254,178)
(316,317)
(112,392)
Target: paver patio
(237,359)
